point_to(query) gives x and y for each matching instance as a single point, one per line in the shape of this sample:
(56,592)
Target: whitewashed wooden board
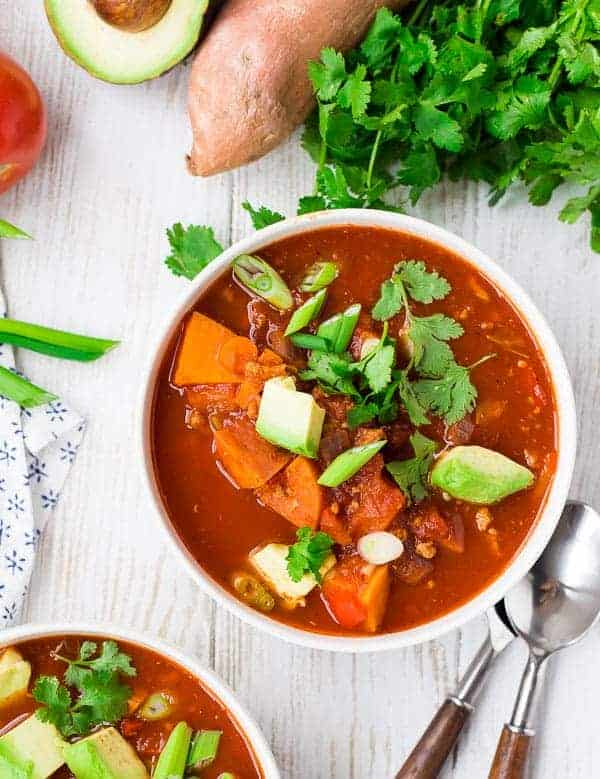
(111,180)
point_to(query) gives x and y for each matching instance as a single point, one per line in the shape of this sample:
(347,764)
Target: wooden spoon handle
(434,746)
(511,754)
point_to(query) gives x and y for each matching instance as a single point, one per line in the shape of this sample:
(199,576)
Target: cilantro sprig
(308,554)
(92,693)
(192,249)
(501,92)
(411,475)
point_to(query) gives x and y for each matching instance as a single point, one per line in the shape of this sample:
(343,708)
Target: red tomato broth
(192,703)
(206,510)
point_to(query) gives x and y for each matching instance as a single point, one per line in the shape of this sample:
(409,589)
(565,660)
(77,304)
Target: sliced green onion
(304,315)
(203,751)
(338,330)
(349,462)
(23,392)
(156,707)
(11,231)
(263,280)
(227,775)
(319,275)
(173,759)
(310,341)
(56,343)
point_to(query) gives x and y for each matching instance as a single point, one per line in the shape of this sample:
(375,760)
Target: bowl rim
(538,537)
(214,684)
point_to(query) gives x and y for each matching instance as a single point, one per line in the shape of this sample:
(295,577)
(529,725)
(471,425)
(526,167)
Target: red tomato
(22,122)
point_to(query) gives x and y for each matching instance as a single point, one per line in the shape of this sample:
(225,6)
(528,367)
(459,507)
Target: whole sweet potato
(249,86)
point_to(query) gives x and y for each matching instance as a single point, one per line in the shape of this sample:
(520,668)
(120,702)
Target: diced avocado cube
(15,674)
(9,657)
(104,755)
(33,747)
(271,563)
(478,475)
(289,418)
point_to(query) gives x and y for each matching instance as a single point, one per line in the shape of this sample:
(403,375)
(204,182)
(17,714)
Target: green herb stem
(55,343)
(23,392)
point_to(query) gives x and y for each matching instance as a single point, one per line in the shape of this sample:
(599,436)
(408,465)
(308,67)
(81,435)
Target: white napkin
(37,448)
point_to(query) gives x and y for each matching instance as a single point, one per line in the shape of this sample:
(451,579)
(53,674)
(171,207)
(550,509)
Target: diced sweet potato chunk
(333,525)
(210,353)
(371,500)
(295,494)
(356,593)
(248,459)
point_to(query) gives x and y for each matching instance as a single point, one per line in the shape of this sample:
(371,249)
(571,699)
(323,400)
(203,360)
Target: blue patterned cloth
(37,448)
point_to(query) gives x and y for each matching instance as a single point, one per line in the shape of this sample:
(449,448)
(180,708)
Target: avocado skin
(478,475)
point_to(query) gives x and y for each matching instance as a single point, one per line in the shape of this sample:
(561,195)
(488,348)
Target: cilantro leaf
(356,92)
(328,75)
(390,302)
(332,371)
(411,475)
(437,126)
(192,249)
(451,396)
(378,367)
(422,285)
(410,277)
(432,355)
(98,697)
(56,703)
(308,554)
(414,409)
(262,216)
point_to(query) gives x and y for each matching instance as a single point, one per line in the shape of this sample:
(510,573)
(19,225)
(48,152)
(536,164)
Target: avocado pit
(131,15)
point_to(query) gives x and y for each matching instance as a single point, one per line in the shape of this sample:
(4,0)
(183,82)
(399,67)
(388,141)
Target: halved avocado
(120,56)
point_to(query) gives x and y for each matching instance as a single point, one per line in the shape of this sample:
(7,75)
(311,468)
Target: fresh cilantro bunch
(92,693)
(491,90)
(431,382)
(308,554)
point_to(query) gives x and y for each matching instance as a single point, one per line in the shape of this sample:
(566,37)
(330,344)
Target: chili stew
(354,431)
(78,708)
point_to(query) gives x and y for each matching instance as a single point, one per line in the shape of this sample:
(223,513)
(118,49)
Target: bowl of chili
(357,431)
(71,693)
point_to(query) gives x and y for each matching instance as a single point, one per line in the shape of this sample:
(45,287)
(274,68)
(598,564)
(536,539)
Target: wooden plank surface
(110,181)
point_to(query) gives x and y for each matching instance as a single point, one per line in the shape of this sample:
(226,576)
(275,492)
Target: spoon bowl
(559,600)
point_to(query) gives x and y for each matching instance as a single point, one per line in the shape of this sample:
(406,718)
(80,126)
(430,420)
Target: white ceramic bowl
(564,401)
(219,690)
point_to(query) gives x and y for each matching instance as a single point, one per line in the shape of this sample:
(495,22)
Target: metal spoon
(552,608)
(436,743)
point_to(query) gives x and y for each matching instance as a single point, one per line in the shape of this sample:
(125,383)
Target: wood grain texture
(510,760)
(430,753)
(111,179)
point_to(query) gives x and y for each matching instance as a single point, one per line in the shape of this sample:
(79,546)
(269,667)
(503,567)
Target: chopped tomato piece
(210,353)
(333,525)
(455,540)
(371,500)
(411,569)
(248,459)
(295,494)
(212,397)
(427,524)
(356,593)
